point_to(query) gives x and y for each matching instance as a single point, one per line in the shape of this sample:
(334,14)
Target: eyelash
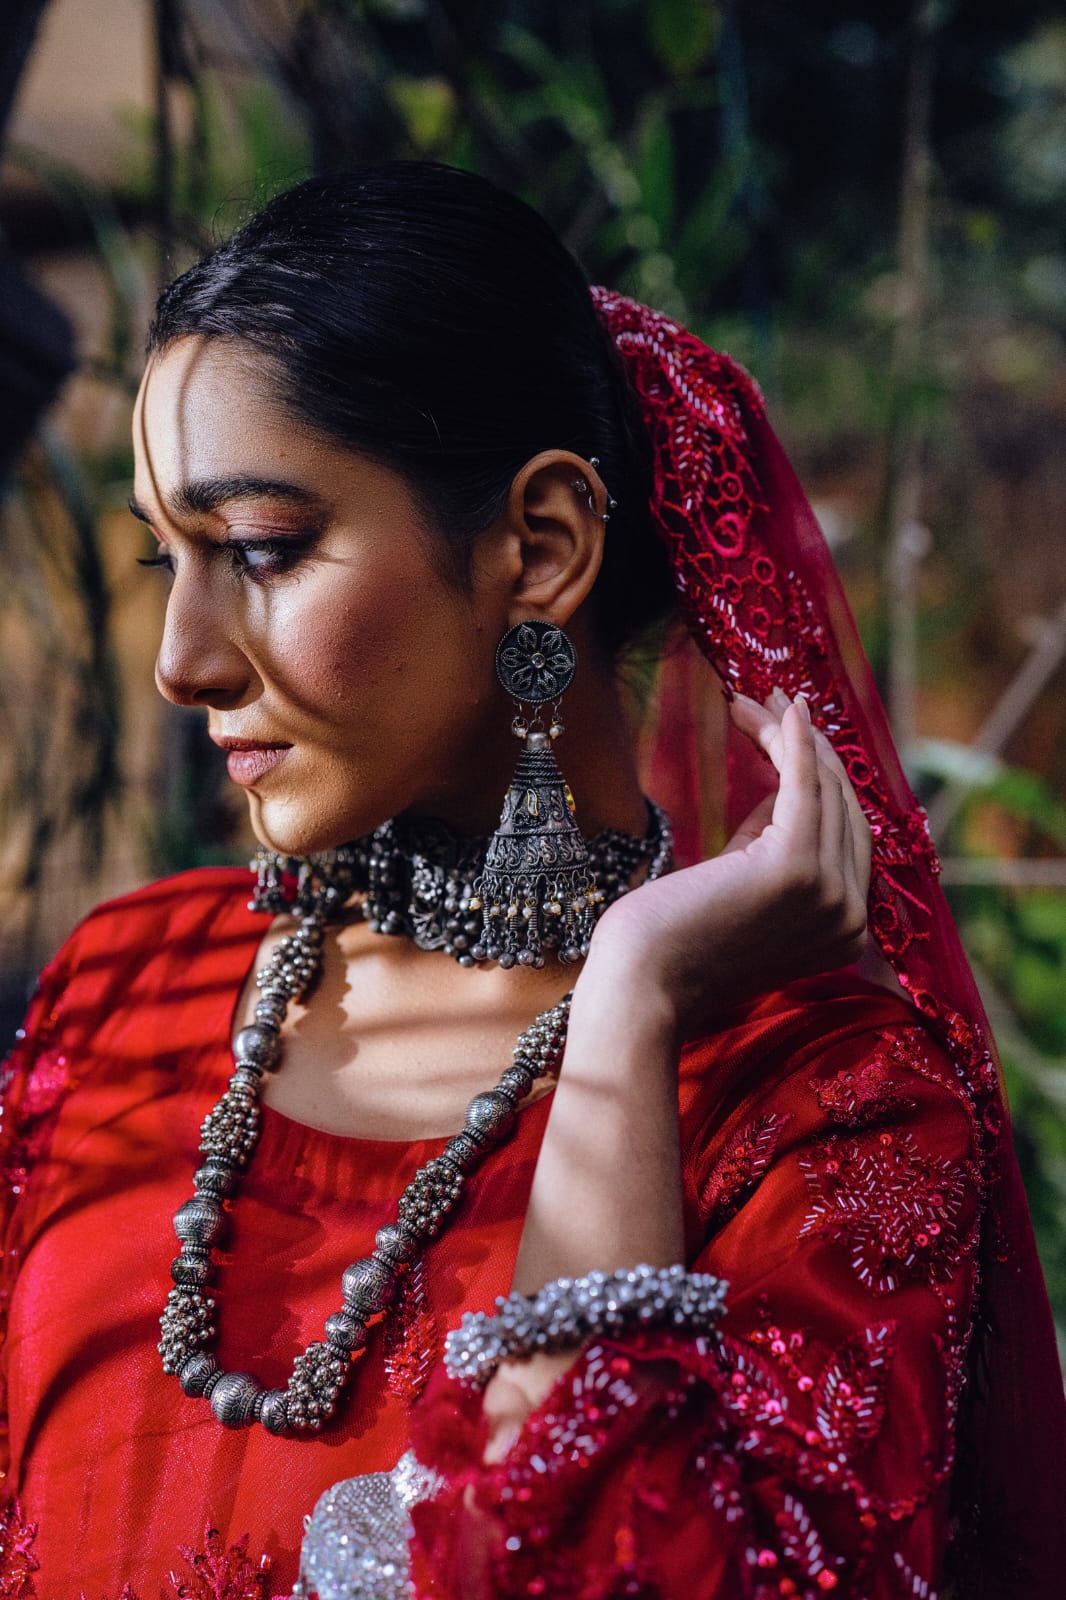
(284,553)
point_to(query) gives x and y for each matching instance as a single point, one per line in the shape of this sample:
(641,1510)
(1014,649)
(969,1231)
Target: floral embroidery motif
(412,1338)
(221,1574)
(744,1161)
(849,1397)
(753,1395)
(897,1211)
(17,1560)
(858,1097)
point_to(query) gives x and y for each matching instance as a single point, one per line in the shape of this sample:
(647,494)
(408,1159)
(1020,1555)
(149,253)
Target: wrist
(624,992)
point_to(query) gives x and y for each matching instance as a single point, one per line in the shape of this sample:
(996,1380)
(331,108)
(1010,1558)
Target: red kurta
(829,1175)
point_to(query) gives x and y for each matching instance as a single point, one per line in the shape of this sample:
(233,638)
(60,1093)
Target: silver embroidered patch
(355,1546)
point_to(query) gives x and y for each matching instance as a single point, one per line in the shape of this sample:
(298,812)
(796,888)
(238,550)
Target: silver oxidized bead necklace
(228,1138)
(369,1286)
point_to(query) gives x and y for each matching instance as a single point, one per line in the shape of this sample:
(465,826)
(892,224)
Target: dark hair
(425,316)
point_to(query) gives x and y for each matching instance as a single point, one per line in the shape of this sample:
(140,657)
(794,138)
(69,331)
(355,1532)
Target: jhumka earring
(538,890)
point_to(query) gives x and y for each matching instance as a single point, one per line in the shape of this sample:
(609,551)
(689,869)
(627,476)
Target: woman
(416,493)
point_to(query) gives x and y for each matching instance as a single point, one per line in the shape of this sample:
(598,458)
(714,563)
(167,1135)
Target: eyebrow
(203,495)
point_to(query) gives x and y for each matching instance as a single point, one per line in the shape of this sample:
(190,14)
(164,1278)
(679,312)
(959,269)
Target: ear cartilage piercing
(583,486)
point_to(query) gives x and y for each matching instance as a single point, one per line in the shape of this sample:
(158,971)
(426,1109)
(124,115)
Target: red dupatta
(764,604)
(765,607)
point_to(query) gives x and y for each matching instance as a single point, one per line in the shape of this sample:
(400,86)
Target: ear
(551,536)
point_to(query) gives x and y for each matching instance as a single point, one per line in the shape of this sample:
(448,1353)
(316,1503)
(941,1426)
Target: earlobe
(557,510)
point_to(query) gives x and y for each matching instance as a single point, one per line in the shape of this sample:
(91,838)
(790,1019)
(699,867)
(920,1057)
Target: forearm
(607,1189)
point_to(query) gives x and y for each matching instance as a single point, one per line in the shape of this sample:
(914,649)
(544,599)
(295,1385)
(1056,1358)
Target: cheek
(394,650)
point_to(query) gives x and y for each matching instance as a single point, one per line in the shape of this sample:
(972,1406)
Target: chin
(293,829)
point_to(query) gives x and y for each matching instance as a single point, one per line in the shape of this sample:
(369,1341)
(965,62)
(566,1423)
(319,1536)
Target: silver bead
(199,1221)
(215,1179)
(395,1242)
(345,1332)
(190,1271)
(462,1152)
(233,1398)
(197,1372)
(490,1116)
(273,1411)
(367,1285)
(519,1080)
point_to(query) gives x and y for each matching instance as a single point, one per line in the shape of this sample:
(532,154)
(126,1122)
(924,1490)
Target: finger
(835,825)
(834,845)
(758,723)
(506,1407)
(798,806)
(846,876)
(860,838)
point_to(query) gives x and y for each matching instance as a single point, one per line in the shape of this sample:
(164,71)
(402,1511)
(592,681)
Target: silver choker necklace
(420,880)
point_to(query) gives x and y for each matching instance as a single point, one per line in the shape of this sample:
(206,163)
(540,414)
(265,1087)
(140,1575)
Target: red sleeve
(807,1449)
(33,1080)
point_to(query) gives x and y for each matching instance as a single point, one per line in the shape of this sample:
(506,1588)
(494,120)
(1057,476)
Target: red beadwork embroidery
(412,1337)
(221,1574)
(34,1081)
(17,1560)
(849,1397)
(745,1159)
(896,1210)
(860,1096)
(753,1394)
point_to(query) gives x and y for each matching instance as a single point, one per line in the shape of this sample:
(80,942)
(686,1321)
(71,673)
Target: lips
(247,760)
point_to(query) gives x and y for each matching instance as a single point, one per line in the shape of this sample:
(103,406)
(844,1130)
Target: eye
(162,560)
(264,558)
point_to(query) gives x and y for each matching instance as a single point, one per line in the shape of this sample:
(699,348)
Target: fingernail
(779,697)
(746,700)
(802,707)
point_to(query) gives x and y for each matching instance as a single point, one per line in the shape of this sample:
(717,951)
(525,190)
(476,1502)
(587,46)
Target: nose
(201,662)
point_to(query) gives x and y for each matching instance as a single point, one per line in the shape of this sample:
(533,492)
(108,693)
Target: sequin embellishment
(895,1210)
(355,1547)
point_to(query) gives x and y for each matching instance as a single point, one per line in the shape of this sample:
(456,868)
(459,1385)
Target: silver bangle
(569,1311)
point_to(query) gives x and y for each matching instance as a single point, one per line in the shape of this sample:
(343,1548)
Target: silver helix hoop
(583,486)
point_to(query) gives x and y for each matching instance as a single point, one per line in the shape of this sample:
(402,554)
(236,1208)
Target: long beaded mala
(370,1285)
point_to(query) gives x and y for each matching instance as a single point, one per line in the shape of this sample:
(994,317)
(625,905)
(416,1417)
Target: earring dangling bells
(538,890)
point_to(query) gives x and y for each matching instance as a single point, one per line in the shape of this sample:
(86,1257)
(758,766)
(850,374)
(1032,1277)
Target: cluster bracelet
(569,1311)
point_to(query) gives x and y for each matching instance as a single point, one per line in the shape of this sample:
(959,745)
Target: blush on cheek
(337,653)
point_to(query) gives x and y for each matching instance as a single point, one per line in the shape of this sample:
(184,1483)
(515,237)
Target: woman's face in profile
(346,677)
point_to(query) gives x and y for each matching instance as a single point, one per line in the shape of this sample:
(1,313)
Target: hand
(786,898)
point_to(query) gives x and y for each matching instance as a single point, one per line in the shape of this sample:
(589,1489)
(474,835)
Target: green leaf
(427,106)
(681,33)
(655,166)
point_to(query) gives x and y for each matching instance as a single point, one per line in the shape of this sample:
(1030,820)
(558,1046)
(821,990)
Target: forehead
(206,408)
